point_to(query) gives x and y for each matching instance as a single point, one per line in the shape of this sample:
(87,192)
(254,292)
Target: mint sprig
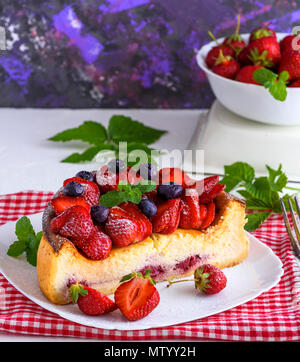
(276,84)
(262,194)
(127,192)
(120,129)
(28,241)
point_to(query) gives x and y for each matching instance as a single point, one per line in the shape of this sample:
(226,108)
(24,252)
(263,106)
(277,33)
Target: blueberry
(86,175)
(169,191)
(147,171)
(148,207)
(73,189)
(99,214)
(116,166)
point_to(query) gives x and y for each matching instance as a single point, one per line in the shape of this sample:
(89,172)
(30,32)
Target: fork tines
(294,237)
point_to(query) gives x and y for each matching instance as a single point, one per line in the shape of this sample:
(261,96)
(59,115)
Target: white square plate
(180,303)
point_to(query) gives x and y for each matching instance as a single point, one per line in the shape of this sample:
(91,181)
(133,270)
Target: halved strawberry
(190,216)
(206,185)
(174,174)
(205,198)
(132,176)
(97,246)
(90,301)
(107,180)
(137,297)
(74,223)
(211,213)
(167,217)
(62,203)
(122,228)
(91,191)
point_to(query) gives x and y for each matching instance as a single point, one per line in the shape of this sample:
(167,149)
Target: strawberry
(107,180)
(291,63)
(226,66)
(90,301)
(263,32)
(210,216)
(137,296)
(235,41)
(97,246)
(176,175)
(214,53)
(124,228)
(91,191)
(190,217)
(295,83)
(263,51)
(132,176)
(207,278)
(144,223)
(61,203)
(245,74)
(206,185)
(167,217)
(207,197)
(287,43)
(74,223)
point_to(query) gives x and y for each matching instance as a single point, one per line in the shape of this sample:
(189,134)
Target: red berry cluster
(237,60)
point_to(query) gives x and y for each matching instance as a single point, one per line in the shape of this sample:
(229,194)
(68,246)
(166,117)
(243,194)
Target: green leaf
(255,220)
(284,76)
(260,189)
(114,198)
(145,186)
(87,155)
(278,90)
(124,129)
(91,132)
(278,179)
(75,290)
(24,229)
(230,182)
(255,204)
(264,76)
(31,255)
(240,170)
(17,248)
(270,80)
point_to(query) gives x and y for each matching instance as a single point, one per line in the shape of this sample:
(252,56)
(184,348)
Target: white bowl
(249,100)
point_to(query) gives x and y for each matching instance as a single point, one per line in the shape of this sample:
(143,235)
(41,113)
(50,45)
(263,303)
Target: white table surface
(30,162)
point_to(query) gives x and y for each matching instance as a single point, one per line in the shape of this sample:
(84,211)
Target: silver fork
(294,237)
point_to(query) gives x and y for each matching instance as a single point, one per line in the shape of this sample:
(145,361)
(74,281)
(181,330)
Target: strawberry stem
(213,37)
(179,281)
(238,23)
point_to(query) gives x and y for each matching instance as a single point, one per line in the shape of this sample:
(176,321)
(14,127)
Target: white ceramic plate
(180,303)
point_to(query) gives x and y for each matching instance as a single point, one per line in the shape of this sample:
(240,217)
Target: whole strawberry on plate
(137,295)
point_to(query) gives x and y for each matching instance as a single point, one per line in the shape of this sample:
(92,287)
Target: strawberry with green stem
(208,279)
(226,66)
(262,32)
(235,40)
(214,53)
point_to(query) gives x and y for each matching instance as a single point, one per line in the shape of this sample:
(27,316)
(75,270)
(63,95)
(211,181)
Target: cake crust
(224,244)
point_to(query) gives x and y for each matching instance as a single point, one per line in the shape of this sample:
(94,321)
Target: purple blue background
(119,53)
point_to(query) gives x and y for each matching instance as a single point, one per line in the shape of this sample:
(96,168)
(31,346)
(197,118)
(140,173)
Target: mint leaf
(145,186)
(91,132)
(17,248)
(27,242)
(124,129)
(240,170)
(278,179)
(260,189)
(255,220)
(274,83)
(87,155)
(230,182)
(114,198)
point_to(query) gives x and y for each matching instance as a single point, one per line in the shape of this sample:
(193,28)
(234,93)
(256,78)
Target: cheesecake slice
(224,244)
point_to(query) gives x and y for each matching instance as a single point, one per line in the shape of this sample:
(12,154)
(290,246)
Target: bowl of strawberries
(256,75)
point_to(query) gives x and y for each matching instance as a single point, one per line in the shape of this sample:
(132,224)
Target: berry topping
(91,301)
(91,191)
(62,203)
(210,215)
(174,174)
(136,297)
(73,189)
(167,217)
(169,191)
(207,197)
(97,246)
(148,207)
(147,171)
(99,214)
(190,217)
(116,166)
(86,175)
(108,181)
(74,223)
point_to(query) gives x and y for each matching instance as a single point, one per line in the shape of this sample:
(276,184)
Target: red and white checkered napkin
(273,316)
